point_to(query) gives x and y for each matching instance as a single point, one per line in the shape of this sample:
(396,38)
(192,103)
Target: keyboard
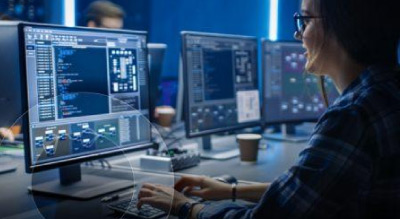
(128,207)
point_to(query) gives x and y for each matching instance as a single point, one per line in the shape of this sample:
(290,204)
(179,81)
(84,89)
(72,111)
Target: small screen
(290,93)
(221,77)
(87,92)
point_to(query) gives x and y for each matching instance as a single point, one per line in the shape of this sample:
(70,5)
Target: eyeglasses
(301,22)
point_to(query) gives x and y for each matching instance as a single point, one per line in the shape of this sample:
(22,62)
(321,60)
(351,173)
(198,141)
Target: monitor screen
(10,94)
(87,93)
(291,94)
(220,79)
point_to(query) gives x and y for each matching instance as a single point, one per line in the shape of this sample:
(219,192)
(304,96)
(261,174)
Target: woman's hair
(367,29)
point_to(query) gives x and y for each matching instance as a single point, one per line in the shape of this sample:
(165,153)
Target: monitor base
(219,154)
(220,148)
(298,137)
(7,168)
(89,187)
(289,133)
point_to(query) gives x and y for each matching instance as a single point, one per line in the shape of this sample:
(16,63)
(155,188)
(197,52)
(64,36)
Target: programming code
(75,81)
(218,75)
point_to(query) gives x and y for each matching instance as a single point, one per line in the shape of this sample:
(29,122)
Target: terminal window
(218,75)
(74,77)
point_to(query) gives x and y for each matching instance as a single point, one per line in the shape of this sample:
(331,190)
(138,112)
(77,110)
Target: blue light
(69,13)
(273,19)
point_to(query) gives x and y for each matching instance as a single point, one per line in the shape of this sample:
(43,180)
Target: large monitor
(86,94)
(291,95)
(10,94)
(220,81)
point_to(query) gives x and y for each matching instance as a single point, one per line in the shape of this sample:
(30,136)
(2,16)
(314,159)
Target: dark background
(164,19)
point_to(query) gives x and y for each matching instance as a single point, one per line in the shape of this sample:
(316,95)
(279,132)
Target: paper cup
(165,114)
(248,146)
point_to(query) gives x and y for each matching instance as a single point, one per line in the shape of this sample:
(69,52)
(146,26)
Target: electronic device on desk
(128,207)
(291,96)
(221,87)
(88,99)
(170,160)
(156,52)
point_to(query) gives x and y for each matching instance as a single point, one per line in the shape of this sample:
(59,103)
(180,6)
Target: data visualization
(218,70)
(290,93)
(87,91)
(123,71)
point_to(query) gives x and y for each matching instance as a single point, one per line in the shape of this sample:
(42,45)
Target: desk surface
(17,203)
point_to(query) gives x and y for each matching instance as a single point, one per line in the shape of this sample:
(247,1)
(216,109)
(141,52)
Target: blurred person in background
(105,14)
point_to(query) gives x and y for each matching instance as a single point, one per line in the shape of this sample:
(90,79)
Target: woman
(351,167)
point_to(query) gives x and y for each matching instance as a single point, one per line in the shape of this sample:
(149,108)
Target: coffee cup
(248,146)
(165,114)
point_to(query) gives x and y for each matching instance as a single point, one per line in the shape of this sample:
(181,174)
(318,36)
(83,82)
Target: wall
(286,26)
(169,17)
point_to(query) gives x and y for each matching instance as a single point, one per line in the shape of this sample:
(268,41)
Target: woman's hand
(204,187)
(162,197)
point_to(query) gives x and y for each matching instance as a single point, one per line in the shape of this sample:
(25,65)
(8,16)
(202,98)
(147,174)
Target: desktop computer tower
(10,83)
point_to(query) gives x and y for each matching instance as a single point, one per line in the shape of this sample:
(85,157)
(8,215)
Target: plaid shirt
(351,166)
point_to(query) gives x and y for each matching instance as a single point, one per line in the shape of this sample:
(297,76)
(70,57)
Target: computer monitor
(220,82)
(156,53)
(10,92)
(87,94)
(291,96)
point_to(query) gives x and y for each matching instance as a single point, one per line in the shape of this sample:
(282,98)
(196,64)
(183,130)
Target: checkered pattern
(351,166)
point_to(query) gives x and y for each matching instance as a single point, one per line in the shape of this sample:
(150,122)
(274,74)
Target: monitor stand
(7,168)
(289,133)
(221,150)
(73,184)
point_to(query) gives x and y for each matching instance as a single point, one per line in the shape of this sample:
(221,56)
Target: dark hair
(367,29)
(100,9)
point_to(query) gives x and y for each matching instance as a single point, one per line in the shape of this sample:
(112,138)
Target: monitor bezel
(29,166)
(264,88)
(186,104)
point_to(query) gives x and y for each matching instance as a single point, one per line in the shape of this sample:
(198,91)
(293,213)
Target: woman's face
(316,53)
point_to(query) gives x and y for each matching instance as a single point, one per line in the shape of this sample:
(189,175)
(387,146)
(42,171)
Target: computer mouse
(226,179)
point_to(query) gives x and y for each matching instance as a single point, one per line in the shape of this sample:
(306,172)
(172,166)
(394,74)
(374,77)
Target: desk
(17,203)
